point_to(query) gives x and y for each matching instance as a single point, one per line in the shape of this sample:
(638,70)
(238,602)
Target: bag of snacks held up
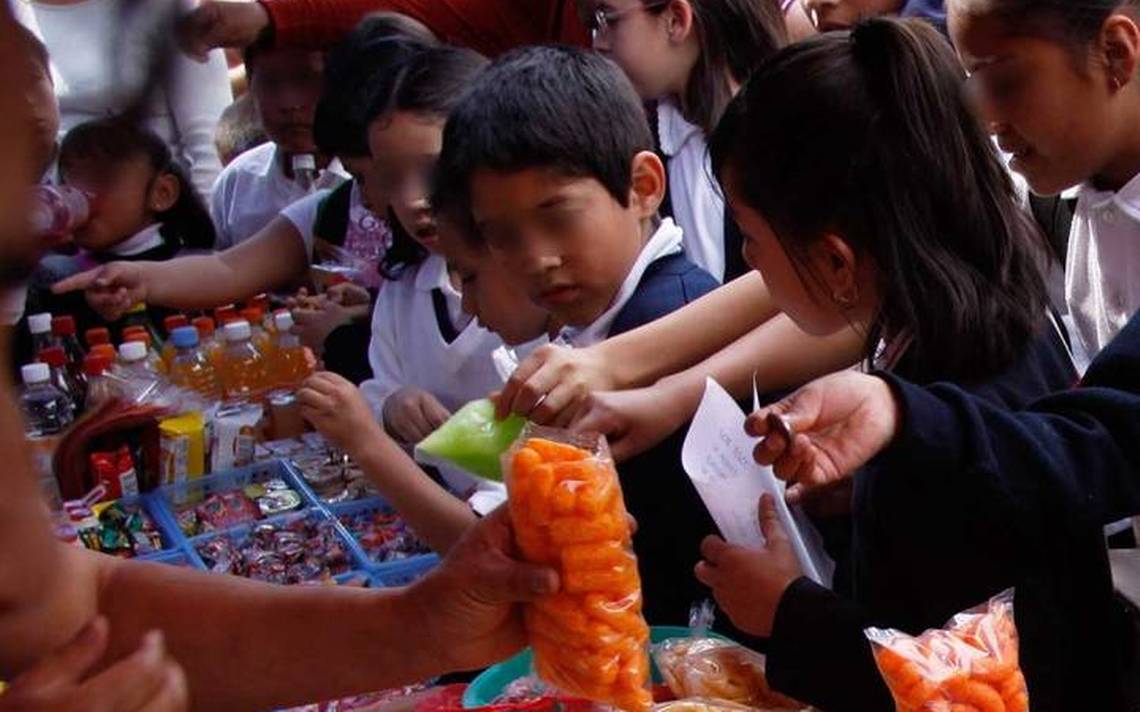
(567,511)
(720,670)
(970,664)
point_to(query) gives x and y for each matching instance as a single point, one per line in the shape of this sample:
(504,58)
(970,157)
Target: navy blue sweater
(920,556)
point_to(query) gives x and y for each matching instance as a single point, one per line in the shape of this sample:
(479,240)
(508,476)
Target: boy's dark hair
(113,141)
(1072,22)
(560,108)
(238,130)
(431,81)
(353,69)
(735,36)
(868,135)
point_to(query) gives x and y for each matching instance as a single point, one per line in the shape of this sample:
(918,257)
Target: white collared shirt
(666,240)
(1102,270)
(407,348)
(698,205)
(148,238)
(253,189)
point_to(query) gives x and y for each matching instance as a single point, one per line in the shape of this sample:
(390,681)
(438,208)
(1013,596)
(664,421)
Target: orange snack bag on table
(971,665)
(567,512)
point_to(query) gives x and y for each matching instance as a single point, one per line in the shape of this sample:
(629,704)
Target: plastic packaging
(182,443)
(63,329)
(189,368)
(100,387)
(472,439)
(153,357)
(697,704)
(720,670)
(39,325)
(567,512)
(47,413)
(57,210)
(971,663)
(244,373)
(233,436)
(56,359)
(289,366)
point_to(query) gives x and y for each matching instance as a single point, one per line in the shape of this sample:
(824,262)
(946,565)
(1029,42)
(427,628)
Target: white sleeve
(303,215)
(383,353)
(219,211)
(198,94)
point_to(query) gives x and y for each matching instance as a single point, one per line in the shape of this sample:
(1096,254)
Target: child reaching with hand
(943,275)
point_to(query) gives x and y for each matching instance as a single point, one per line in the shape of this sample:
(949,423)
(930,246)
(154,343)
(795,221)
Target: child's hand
(748,583)
(349,294)
(148,679)
(552,382)
(633,421)
(314,324)
(335,407)
(110,290)
(412,414)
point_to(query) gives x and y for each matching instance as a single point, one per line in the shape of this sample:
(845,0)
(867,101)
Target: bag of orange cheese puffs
(566,506)
(970,664)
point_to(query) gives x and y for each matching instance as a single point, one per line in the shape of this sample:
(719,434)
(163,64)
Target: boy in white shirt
(285,85)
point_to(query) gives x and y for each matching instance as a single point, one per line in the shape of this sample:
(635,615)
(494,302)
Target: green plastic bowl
(491,682)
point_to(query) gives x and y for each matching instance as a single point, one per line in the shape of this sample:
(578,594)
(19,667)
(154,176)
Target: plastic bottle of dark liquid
(58,209)
(56,359)
(63,329)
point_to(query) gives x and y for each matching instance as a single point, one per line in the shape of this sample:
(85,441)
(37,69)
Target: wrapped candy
(231,508)
(384,535)
(720,670)
(970,664)
(300,551)
(567,512)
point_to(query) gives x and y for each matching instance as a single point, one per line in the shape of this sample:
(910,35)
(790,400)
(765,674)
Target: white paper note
(717,456)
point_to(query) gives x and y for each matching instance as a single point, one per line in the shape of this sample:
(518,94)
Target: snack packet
(717,669)
(472,439)
(971,663)
(567,512)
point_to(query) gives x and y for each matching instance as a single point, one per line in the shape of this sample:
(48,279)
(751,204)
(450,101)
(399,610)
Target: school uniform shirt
(253,189)
(1102,269)
(98,54)
(695,200)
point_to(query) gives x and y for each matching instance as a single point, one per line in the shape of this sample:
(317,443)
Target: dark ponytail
(113,140)
(868,135)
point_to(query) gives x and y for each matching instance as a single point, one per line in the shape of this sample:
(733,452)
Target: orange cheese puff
(971,692)
(531,495)
(551,451)
(576,530)
(636,700)
(634,669)
(534,543)
(918,695)
(618,579)
(538,623)
(956,707)
(525,459)
(586,472)
(992,671)
(622,614)
(565,609)
(563,498)
(595,499)
(602,555)
(1018,703)
(1011,686)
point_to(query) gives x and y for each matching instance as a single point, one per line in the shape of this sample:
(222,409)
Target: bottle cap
(204,325)
(97,335)
(127,331)
(184,337)
(304,162)
(63,325)
(39,323)
(237,330)
(132,351)
(175,321)
(104,350)
(252,314)
(140,336)
(54,356)
(35,373)
(96,364)
(283,321)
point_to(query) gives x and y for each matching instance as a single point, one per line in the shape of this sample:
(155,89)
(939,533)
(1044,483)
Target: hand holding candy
(335,408)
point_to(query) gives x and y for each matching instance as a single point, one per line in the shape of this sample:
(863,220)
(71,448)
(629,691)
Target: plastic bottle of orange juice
(290,366)
(170,323)
(190,368)
(208,340)
(244,371)
(258,333)
(153,358)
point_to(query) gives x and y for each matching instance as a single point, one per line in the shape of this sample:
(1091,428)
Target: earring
(1115,83)
(845,301)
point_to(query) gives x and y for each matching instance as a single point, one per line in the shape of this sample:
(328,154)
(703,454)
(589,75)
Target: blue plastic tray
(348,509)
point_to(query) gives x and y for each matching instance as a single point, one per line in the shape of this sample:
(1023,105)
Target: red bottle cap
(138,336)
(225,313)
(54,356)
(252,315)
(97,335)
(260,301)
(104,350)
(96,364)
(132,330)
(63,325)
(205,326)
(175,321)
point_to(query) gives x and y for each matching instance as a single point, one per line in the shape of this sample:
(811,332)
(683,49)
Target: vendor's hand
(551,384)
(220,24)
(336,408)
(313,325)
(411,414)
(633,421)
(838,423)
(469,605)
(349,294)
(110,290)
(748,583)
(63,681)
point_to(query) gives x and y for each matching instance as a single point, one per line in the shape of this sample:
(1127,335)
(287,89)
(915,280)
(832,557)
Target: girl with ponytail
(870,196)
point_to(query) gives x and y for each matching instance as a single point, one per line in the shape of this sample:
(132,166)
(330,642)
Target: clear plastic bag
(698,704)
(717,669)
(590,639)
(970,664)
(473,440)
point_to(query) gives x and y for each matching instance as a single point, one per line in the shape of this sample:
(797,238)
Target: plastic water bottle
(190,368)
(57,210)
(40,327)
(290,366)
(244,373)
(305,171)
(60,376)
(47,409)
(153,357)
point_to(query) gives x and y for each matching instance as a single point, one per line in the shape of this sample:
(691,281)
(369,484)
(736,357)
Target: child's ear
(678,20)
(647,185)
(837,267)
(1120,39)
(164,193)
